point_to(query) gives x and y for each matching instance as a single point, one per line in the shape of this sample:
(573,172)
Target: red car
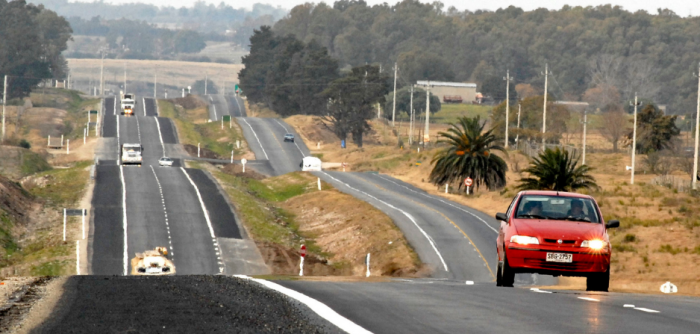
(554,233)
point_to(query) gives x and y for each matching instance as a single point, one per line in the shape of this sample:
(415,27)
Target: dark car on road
(289,137)
(554,233)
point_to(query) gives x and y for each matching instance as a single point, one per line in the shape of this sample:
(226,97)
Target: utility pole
(697,137)
(518,135)
(426,135)
(4,102)
(393,111)
(634,137)
(507,79)
(544,111)
(410,119)
(585,122)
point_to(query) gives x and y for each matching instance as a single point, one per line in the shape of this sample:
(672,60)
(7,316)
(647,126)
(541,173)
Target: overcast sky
(681,7)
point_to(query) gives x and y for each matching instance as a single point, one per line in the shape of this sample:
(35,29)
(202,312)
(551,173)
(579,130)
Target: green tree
(188,41)
(253,75)
(655,131)
(470,153)
(352,99)
(403,101)
(557,170)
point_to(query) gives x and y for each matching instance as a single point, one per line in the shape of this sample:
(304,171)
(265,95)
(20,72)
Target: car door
(504,226)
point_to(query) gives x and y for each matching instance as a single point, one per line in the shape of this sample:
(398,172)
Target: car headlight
(594,244)
(524,240)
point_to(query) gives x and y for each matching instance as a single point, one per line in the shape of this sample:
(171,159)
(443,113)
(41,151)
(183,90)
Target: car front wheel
(505,276)
(598,281)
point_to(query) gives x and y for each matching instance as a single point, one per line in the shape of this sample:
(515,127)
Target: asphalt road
(139,208)
(220,105)
(180,304)
(265,137)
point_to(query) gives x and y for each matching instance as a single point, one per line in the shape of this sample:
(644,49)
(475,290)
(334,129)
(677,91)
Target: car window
(557,207)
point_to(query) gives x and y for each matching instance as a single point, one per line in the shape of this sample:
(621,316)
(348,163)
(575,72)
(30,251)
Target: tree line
(31,41)
(601,54)
(293,77)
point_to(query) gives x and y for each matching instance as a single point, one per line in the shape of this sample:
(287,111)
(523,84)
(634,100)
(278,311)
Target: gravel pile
(176,304)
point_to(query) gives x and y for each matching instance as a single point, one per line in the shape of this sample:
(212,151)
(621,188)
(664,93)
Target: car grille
(559,266)
(563,242)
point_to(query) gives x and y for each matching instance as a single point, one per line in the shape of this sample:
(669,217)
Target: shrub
(24,143)
(630,238)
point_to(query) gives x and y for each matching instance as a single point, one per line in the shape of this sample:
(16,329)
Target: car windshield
(557,208)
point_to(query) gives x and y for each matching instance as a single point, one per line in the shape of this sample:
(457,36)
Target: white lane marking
(138,128)
(206,216)
(320,308)
(115,106)
(470,282)
(144,107)
(210,98)
(162,145)
(124,224)
(539,291)
(589,299)
(295,142)
(256,137)
(448,203)
(165,214)
(646,310)
(628,305)
(430,240)
(77,257)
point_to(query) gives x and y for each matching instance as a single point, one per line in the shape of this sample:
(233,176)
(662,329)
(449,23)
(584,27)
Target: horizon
(680,7)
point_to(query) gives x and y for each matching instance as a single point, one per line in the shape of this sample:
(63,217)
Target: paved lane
(265,137)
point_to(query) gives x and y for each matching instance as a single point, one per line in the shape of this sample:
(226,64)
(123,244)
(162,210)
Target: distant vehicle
(128,103)
(289,137)
(554,233)
(152,262)
(131,154)
(165,161)
(311,164)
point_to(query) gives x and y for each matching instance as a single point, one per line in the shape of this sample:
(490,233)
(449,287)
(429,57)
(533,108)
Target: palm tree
(557,170)
(469,155)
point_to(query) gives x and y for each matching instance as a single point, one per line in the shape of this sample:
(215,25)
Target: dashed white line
(119,146)
(438,199)
(115,106)
(124,224)
(539,291)
(160,135)
(321,309)
(430,240)
(138,128)
(206,217)
(643,309)
(144,107)
(165,214)
(589,299)
(256,137)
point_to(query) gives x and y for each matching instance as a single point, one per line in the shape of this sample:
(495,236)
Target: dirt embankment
(282,213)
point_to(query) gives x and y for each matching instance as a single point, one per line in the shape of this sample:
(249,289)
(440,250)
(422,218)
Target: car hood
(559,229)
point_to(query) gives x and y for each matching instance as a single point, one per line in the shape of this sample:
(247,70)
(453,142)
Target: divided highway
(458,243)
(139,208)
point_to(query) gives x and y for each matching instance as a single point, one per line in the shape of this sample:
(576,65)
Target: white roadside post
(84,213)
(238,144)
(84,135)
(243,162)
(64,224)
(507,79)
(68,146)
(319,183)
(61,140)
(222,123)
(197,150)
(49,143)
(302,253)
(585,123)
(544,106)
(231,156)
(367,262)
(447,186)
(77,257)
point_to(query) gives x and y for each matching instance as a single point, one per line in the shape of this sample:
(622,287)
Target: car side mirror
(502,217)
(612,224)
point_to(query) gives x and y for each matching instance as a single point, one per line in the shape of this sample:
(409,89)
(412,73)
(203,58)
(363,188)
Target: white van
(311,164)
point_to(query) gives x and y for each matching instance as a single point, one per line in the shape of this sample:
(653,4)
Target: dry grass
(177,73)
(663,222)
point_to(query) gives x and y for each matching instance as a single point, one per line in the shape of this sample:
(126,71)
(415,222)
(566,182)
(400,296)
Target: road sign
(669,287)
(302,251)
(244,161)
(236,88)
(75,212)
(93,111)
(227,118)
(468,182)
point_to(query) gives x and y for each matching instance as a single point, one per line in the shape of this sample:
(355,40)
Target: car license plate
(153,270)
(559,257)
